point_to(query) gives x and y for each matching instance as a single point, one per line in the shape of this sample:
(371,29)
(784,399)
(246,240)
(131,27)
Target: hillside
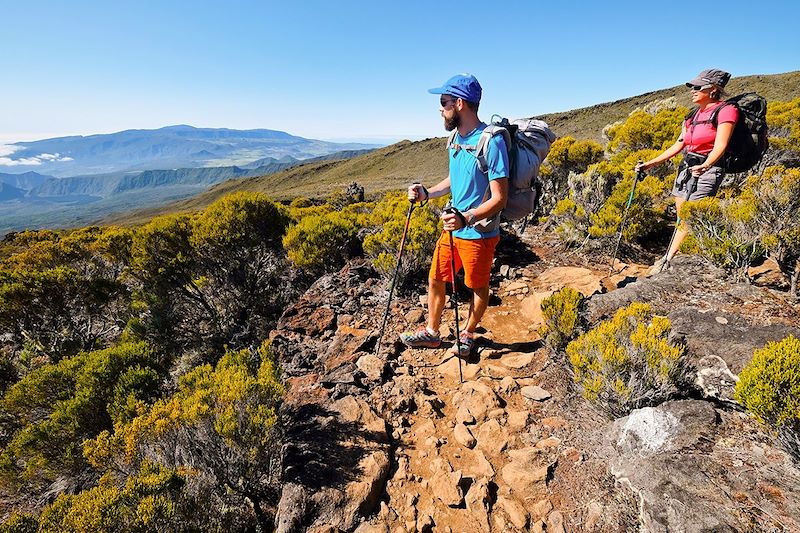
(393,167)
(516,447)
(588,122)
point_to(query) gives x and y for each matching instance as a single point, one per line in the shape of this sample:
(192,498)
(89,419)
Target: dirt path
(483,455)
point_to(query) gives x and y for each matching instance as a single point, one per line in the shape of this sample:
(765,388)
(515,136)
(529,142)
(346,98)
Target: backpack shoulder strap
(715,114)
(483,144)
(451,143)
(451,139)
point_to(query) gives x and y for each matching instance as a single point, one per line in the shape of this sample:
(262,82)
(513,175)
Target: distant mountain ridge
(56,202)
(393,167)
(103,185)
(170,147)
(26,180)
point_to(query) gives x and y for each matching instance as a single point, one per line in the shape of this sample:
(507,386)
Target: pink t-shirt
(699,138)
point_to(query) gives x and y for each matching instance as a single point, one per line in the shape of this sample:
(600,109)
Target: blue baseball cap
(463,86)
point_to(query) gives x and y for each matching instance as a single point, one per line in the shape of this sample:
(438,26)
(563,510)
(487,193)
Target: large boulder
(691,470)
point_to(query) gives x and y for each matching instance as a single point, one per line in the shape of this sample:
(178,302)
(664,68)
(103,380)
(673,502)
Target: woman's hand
(698,170)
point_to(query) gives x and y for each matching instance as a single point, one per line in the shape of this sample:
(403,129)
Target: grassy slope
(393,167)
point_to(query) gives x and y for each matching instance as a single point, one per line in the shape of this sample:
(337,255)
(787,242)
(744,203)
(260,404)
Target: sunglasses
(444,102)
(699,87)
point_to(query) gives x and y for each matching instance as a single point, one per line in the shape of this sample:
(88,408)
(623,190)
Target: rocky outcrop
(691,472)
(337,458)
(721,323)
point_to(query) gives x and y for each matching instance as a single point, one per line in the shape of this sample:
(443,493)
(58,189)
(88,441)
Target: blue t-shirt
(468,185)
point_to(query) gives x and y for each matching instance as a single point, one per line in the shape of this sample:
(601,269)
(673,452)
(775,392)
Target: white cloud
(7,150)
(8,162)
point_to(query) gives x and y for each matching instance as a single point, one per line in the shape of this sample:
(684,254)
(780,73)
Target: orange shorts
(474,255)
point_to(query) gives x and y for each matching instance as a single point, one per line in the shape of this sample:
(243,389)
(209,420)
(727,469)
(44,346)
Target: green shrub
(235,222)
(775,196)
(643,130)
(627,362)
(386,223)
(322,242)
(560,312)
(769,387)
(20,523)
(784,125)
(567,156)
(726,232)
(645,215)
(57,406)
(300,202)
(146,502)
(221,427)
(570,222)
(571,216)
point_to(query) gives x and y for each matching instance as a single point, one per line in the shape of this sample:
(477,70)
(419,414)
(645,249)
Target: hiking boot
(466,341)
(422,338)
(658,267)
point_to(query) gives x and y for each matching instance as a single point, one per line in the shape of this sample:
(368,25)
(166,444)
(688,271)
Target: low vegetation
(769,387)
(561,316)
(735,232)
(627,362)
(130,381)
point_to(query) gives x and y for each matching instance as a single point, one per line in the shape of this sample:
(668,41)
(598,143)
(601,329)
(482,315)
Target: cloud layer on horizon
(8,149)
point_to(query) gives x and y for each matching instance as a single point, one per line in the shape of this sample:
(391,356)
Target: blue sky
(357,70)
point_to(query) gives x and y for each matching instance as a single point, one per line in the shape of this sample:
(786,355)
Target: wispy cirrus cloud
(7,150)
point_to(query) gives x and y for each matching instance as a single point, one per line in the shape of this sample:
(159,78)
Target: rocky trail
(395,443)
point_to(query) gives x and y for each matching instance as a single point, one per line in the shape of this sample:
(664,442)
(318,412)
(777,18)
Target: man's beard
(452,123)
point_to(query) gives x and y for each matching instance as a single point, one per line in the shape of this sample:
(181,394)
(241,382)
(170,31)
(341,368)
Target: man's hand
(452,220)
(417,193)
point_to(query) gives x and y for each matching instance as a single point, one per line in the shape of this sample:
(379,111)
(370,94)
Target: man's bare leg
(436,296)
(480,301)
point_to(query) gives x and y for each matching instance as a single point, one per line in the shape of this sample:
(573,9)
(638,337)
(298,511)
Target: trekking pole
(454,298)
(394,278)
(639,175)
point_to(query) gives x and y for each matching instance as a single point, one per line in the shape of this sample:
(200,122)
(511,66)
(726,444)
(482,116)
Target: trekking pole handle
(453,211)
(639,171)
(422,203)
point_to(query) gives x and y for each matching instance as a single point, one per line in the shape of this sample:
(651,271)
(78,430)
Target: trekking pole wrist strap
(461,217)
(424,202)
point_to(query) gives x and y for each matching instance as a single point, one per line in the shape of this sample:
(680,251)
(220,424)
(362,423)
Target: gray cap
(710,76)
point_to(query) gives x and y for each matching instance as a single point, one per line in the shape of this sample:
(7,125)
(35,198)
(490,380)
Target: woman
(703,140)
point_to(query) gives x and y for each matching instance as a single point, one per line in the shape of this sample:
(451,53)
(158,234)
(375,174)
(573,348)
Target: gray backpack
(528,142)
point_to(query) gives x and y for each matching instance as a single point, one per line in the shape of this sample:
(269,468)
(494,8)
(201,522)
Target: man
(477,197)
